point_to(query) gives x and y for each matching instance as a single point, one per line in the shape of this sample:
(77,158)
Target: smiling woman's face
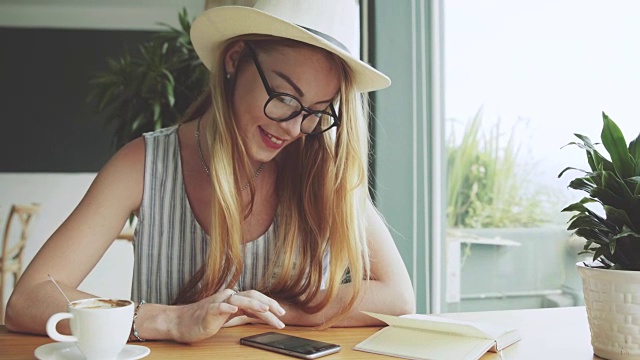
(309,74)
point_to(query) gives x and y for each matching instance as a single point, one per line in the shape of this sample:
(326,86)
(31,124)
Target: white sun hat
(317,22)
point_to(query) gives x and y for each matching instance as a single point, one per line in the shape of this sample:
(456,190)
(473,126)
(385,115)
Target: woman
(256,207)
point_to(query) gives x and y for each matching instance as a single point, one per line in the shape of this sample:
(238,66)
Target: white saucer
(69,351)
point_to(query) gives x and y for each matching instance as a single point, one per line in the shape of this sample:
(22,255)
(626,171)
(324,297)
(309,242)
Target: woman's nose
(292,127)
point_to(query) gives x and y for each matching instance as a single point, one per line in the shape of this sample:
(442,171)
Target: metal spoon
(59,289)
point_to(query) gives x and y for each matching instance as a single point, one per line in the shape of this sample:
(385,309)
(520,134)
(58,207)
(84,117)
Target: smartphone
(290,345)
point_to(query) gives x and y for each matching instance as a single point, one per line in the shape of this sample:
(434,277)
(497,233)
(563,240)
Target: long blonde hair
(322,190)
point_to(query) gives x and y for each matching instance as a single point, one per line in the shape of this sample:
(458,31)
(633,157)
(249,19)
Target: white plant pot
(612,298)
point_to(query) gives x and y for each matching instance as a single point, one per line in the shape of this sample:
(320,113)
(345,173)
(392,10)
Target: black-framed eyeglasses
(282,107)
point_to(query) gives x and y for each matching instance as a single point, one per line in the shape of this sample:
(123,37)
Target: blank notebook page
(425,345)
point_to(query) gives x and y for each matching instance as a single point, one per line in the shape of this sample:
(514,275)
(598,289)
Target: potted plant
(611,281)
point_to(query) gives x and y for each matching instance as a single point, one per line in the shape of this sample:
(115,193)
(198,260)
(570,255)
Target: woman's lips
(270,140)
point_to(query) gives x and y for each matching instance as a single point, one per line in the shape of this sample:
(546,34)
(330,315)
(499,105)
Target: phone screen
(290,345)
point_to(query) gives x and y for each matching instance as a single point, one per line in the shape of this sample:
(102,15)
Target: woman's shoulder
(133,151)
(127,164)
(120,180)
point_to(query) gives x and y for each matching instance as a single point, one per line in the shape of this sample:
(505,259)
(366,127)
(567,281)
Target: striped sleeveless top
(169,244)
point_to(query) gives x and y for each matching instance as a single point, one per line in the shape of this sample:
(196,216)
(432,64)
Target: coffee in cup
(99,327)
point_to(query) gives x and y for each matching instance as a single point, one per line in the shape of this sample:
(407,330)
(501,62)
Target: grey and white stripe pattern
(169,244)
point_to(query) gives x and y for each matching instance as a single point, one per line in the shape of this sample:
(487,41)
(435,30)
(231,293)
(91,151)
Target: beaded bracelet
(133,325)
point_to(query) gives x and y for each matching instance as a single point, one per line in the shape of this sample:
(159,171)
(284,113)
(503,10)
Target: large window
(521,77)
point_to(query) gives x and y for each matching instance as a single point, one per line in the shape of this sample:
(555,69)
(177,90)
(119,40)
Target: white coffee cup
(99,327)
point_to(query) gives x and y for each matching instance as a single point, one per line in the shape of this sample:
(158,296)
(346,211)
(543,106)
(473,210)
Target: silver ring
(229,297)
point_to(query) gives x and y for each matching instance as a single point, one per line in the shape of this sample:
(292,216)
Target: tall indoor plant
(150,89)
(611,282)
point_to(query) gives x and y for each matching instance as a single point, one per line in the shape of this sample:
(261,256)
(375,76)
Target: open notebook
(428,337)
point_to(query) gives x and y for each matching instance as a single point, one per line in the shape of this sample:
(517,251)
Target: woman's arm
(81,241)
(389,291)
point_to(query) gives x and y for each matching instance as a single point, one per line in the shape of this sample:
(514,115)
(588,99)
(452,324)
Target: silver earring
(228,76)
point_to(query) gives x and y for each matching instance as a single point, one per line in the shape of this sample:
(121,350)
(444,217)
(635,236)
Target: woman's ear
(231,58)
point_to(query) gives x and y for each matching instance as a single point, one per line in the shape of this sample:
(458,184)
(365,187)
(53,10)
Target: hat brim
(214,27)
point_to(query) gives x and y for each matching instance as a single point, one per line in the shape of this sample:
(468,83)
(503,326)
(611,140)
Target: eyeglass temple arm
(253,55)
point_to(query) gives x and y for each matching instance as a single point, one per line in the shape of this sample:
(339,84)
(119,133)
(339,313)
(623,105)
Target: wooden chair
(128,229)
(11,256)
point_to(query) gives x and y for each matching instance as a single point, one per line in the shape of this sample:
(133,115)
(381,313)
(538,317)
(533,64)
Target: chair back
(13,246)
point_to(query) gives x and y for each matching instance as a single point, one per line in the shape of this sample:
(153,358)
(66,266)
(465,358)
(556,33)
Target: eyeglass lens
(283,107)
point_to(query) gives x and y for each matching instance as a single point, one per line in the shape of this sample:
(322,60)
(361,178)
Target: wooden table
(559,333)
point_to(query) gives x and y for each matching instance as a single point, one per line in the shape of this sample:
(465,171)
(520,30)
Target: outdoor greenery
(614,187)
(150,90)
(486,186)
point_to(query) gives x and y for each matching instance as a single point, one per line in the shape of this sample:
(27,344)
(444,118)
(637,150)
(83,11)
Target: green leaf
(612,245)
(184,20)
(613,183)
(576,207)
(581,209)
(583,183)
(585,221)
(593,235)
(585,139)
(601,163)
(613,140)
(617,216)
(606,197)
(169,93)
(596,161)
(156,111)
(570,168)
(634,150)
(599,252)
(627,232)
(169,77)
(107,98)
(137,123)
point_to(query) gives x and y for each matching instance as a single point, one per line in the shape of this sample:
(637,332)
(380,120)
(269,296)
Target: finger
(242,320)
(273,305)
(267,318)
(247,303)
(256,309)
(228,293)
(223,309)
(238,320)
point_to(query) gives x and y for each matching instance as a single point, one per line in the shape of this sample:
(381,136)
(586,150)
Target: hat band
(327,37)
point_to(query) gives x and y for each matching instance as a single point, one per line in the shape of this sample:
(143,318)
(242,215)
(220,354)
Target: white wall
(59,193)
(95,14)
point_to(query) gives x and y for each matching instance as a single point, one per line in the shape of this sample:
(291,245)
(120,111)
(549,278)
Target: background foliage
(152,88)
(488,185)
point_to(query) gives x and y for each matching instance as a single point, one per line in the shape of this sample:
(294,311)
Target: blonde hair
(323,194)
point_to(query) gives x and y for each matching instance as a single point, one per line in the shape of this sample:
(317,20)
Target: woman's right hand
(203,319)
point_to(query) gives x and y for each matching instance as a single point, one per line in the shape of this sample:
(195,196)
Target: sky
(545,68)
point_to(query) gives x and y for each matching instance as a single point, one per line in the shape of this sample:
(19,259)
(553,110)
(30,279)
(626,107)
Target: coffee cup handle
(51,327)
